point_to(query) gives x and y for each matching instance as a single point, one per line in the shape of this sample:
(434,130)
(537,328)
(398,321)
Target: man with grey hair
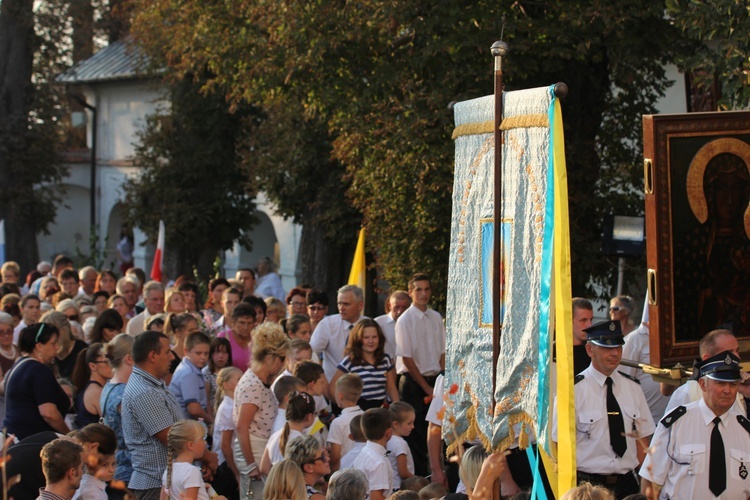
(346,484)
(87,280)
(332,333)
(269,283)
(153,295)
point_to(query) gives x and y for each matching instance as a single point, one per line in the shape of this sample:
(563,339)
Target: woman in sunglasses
(312,458)
(622,309)
(35,401)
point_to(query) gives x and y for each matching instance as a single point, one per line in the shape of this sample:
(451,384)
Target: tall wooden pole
(499,50)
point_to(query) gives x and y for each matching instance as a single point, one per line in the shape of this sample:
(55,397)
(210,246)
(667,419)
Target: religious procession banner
(535,264)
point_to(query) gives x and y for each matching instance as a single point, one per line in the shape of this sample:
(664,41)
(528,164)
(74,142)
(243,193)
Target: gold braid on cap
(696,195)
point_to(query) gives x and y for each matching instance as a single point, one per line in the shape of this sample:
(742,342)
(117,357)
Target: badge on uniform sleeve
(743,470)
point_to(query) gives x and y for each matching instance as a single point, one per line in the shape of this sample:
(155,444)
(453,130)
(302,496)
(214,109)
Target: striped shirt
(147,409)
(373,376)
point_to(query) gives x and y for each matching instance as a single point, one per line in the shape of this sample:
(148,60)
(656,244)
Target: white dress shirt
(420,336)
(330,338)
(593,451)
(688,441)
(388,325)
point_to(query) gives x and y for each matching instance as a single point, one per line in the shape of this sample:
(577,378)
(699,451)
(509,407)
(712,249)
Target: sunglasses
(316,308)
(73,317)
(615,308)
(323,458)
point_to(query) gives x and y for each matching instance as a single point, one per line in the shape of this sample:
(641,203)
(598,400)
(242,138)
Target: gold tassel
(523,438)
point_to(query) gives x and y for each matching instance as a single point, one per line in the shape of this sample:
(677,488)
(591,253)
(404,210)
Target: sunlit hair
(346,484)
(285,481)
(587,491)
(350,385)
(177,323)
(471,465)
(118,348)
(224,375)
(62,323)
(181,433)
(171,294)
(354,346)
(269,338)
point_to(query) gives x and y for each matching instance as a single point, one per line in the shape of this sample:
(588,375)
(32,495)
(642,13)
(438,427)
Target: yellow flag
(357,274)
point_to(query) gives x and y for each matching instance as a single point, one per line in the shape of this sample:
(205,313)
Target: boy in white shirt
(299,350)
(284,387)
(399,453)
(355,434)
(348,391)
(376,426)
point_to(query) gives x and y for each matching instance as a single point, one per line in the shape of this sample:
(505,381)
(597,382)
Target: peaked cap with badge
(725,367)
(605,334)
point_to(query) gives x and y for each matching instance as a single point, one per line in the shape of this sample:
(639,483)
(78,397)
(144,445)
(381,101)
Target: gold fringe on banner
(511,122)
(472,433)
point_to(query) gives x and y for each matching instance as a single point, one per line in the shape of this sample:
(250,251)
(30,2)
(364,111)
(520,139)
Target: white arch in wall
(272,233)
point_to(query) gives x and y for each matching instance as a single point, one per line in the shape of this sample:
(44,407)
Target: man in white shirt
(153,294)
(269,283)
(611,415)
(332,333)
(420,347)
(701,450)
(398,302)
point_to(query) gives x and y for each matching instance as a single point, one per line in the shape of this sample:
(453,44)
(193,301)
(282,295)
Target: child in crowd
(186,442)
(355,434)
(316,384)
(223,432)
(284,388)
(433,490)
(315,380)
(376,426)
(348,391)
(399,452)
(414,483)
(100,445)
(299,350)
(187,383)
(300,414)
(219,356)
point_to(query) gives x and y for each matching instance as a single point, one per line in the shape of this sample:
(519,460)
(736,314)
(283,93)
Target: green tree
(379,77)
(191,177)
(30,110)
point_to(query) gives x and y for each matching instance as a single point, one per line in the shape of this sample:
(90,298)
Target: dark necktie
(616,423)
(717,465)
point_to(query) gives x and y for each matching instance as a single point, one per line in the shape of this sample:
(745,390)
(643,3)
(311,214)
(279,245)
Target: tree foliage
(192,178)
(378,77)
(30,112)
(721,30)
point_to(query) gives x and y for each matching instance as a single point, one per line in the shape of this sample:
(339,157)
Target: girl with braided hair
(300,414)
(186,442)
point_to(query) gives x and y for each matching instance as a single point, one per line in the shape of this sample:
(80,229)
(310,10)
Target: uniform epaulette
(578,378)
(629,376)
(744,422)
(673,416)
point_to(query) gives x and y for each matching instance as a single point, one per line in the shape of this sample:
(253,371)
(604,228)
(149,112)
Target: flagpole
(499,49)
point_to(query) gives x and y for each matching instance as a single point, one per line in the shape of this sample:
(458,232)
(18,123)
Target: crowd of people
(116,386)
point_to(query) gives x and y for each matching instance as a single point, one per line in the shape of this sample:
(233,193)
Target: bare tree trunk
(324,265)
(17,41)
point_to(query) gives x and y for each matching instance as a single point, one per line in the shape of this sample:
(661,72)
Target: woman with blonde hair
(68,346)
(285,482)
(255,405)
(118,354)
(120,304)
(587,491)
(174,302)
(275,310)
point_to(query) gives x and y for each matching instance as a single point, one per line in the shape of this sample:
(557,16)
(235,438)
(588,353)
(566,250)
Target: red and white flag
(159,255)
